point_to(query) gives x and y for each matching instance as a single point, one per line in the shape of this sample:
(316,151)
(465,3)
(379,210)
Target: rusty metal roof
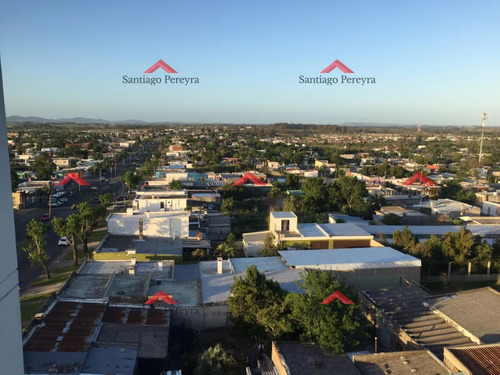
(69,327)
(480,360)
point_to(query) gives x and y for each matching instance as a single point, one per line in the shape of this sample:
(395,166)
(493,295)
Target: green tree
(336,326)
(270,249)
(44,166)
(225,250)
(105,199)
(315,197)
(216,361)
(227,205)
(404,240)
(391,219)
(89,217)
(175,185)
(349,195)
(459,246)
(37,245)
(70,228)
(250,295)
(292,181)
(131,180)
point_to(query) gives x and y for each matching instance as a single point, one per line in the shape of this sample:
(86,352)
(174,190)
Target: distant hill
(75,120)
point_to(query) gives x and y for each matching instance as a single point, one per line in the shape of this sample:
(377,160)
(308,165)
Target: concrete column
(488,267)
(469,268)
(11,355)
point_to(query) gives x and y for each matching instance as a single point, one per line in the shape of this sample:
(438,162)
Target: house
(284,227)
(160,200)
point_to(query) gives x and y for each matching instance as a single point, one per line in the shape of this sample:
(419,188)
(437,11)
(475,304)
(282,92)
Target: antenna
(484,117)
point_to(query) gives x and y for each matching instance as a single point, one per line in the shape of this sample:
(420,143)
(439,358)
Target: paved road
(28,274)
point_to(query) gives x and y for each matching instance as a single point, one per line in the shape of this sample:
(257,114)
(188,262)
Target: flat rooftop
(283,215)
(427,230)
(184,292)
(263,264)
(216,288)
(149,245)
(477,311)
(311,359)
(400,363)
(348,259)
(157,272)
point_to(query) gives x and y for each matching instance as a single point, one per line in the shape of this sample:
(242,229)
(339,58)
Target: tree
(315,197)
(89,217)
(216,361)
(44,166)
(175,185)
(105,199)
(70,228)
(349,195)
(459,246)
(225,250)
(404,240)
(335,326)
(292,181)
(131,180)
(37,246)
(249,296)
(391,219)
(227,205)
(270,249)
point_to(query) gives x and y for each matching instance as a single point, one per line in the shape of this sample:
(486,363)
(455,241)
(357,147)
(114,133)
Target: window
(285,225)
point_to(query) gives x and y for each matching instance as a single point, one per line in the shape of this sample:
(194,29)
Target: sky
(434,62)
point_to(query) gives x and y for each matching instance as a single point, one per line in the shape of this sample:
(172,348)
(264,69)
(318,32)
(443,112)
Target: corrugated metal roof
(69,327)
(311,230)
(344,229)
(482,360)
(262,263)
(424,230)
(356,258)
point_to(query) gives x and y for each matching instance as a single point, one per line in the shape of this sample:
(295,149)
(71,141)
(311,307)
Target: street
(27,273)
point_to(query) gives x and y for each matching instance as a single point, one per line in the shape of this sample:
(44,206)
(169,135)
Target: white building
(160,201)
(153,224)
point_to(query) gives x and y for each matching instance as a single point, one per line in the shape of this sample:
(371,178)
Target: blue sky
(434,61)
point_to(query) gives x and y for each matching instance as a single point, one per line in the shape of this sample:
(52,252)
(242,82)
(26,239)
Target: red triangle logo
(161,64)
(160,295)
(337,64)
(339,296)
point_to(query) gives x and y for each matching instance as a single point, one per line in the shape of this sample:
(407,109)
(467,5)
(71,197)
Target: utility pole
(482,138)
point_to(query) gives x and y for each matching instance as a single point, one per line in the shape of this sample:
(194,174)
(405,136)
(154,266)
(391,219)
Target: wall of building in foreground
(11,353)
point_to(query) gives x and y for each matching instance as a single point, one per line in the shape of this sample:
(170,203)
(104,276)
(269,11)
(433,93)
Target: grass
(30,306)
(57,275)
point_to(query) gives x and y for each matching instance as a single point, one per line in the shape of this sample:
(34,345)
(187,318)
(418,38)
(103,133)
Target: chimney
(133,261)
(219,265)
(160,264)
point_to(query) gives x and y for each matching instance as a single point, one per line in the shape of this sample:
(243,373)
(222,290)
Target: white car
(63,241)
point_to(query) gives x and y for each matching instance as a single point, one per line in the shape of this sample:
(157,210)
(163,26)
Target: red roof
(419,177)
(249,177)
(75,177)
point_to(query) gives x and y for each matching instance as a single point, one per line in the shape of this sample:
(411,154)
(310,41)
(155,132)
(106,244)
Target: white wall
(490,209)
(153,205)
(11,353)
(155,226)
(275,223)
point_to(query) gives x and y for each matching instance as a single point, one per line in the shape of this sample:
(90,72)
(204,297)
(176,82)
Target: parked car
(63,241)
(45,217)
